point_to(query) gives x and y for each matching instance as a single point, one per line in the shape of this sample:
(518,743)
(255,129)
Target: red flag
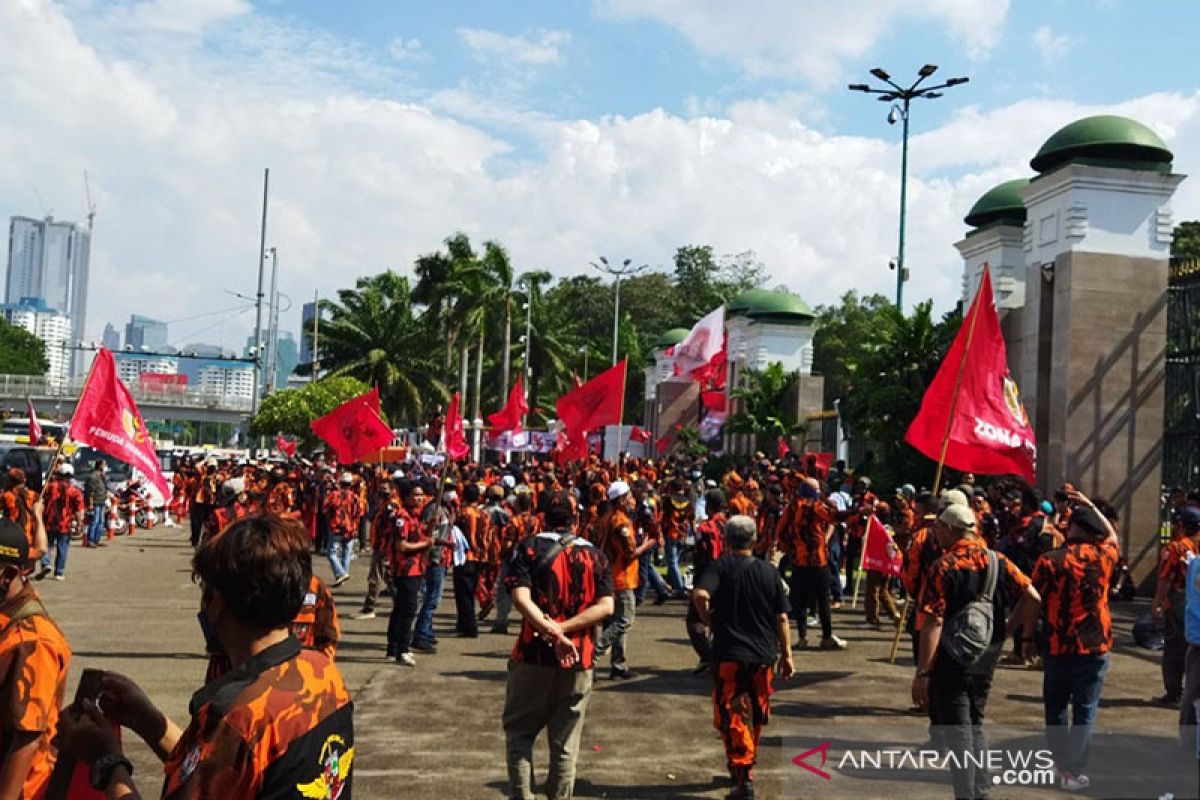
(662,443)
(456,440)
(783,447)
(354,429)
(714,401)
(880,553)
(704,341)
(509,417)
(35,427)
(596,403)
(990,432)
(284,446)
(637,434)
(107,419)
(570,447)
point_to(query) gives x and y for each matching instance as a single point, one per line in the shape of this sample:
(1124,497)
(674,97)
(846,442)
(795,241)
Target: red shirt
(404,527)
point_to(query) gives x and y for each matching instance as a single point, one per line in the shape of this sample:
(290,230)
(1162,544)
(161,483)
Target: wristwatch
(102,769)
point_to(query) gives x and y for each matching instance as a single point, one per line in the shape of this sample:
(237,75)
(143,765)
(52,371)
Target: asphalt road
(434,731)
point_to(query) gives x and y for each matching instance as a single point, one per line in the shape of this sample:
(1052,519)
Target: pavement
(434,731)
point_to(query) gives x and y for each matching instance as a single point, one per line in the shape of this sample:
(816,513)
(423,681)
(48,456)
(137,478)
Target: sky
(564,129)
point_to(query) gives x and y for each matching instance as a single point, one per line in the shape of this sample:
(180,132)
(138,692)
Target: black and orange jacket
(404,526)
(278,725)
(676,515)
(710,542)
(919,557)
(33,673)
(575,580)
(769,515)
(63,505)
(316,626)
(282,500)
(476,527)
(343,508)
(1073,582)
(1173,565)
(520,527)
(801,532)
(618,542)
(17,504)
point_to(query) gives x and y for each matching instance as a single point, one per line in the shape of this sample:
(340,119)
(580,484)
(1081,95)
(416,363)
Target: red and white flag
(637,434)
(35,427)
(880,553)
(702,344)
(107,419)
(988,430)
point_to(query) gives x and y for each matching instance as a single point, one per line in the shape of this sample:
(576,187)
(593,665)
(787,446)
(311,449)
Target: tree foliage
(762,406)
(291,410)
(1186,243)
(21,353)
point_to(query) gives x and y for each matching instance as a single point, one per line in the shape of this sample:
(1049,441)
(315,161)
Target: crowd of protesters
(574,551)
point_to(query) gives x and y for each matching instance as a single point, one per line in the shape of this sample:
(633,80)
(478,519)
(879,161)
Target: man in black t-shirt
(743,600)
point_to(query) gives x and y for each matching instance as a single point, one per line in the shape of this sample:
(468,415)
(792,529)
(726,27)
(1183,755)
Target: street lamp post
(625,270)
(899,111)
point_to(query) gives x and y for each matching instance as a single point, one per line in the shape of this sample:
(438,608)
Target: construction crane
(91,207)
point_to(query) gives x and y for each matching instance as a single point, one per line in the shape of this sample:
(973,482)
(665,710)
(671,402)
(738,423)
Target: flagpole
(862,559)
(62,442)
(899,627)
(621,412)
(962,368)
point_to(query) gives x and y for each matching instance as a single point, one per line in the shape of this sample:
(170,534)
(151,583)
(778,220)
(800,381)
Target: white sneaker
(60,577)
(365,615)
(1074,783)
(406,660)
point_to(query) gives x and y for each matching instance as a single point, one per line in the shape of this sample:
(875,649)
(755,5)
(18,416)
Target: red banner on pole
(972,410)
(509,417)
(456,439)
(107,419)
(288,448)
(880,553)
(637,434)
(596,403)
(354,429)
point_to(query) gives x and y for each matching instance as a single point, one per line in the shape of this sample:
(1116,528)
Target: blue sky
(564,130)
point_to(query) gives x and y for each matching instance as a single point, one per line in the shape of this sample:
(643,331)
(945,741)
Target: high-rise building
(111,339)
(143,333)
(227,379)
(132,365)
(49,259)
(285,358)
(47,324)
(306,331)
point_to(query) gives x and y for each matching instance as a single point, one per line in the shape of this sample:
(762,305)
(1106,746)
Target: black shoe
(391,653)
(424,647)
(662,598)
(701,668)
(620,673)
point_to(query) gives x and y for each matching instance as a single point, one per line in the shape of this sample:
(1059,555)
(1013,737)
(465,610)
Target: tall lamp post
(624,271)
(899,111)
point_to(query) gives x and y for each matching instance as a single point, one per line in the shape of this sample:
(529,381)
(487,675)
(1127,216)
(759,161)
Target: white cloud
(1051,46)
(407,49)
(812,39)
(361,182)
(540,49)
(178,16)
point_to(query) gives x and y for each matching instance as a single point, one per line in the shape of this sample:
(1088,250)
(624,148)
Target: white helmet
(65,469)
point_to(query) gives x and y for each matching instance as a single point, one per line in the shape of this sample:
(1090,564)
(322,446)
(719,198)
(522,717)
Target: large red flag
(354,429)
(509,417)
(782,447)
(663,442)
(35,427)
(456,439)
(880,553)
(107,419)
(989,433)
(596,403)
(570,447)
(714,401)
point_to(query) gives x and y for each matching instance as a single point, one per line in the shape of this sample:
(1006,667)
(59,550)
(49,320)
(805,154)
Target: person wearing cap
(1170,600)
(34,657)
(956,694)
(17,503)
(562,587)
(476,528)
(1073,581)
(63,513)
(343,509)
(742,599)
(618,542)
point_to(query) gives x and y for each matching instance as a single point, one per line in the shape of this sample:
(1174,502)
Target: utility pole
(262,258)
(316,362)
(530,286)
(618,273)
(272,321)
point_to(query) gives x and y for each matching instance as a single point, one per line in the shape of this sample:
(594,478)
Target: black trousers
(956,704)
(1174,652)
(810,589)
(697,633)
(404,613)
(197,515)
(466,578)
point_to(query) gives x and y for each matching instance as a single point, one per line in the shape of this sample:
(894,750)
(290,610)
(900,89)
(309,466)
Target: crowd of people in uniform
(574,551)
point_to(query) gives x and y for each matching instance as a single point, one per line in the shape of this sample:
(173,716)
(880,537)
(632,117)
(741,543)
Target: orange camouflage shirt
(802,531)
(17,505)
(34,656)
(1173,564)
(63,505)
(278,725)
(1073,582)
(618,542)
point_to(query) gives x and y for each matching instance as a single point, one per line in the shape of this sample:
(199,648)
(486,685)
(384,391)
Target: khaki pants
(878,595)
(544,697)
(378,574)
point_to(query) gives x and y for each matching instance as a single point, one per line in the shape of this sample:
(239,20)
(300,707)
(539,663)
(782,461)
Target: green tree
(21,353)
(1186,243)
(762,403)
(374,336)
(290,411)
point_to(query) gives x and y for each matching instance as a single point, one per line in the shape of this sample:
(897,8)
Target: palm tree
(374,335)
(553,349)
(762,403)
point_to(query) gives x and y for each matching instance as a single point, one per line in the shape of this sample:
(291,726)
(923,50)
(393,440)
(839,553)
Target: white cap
(508,481)
(398,475)
(346,478)
(65,469)
(617,489)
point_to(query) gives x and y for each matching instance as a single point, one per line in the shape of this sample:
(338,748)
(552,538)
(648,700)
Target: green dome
(1106,140)
(671,338)
(766,304)
(1001,203)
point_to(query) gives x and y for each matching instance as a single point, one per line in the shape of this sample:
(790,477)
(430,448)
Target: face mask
(211,643)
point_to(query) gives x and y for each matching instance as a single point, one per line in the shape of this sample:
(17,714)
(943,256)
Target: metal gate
(1181,443)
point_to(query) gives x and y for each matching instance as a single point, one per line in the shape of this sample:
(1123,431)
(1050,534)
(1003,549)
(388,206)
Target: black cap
(1188,517)
(14,546)
(1089,519)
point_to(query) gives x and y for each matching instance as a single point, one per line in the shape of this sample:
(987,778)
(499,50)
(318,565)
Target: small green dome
(767,304)
(1001,203)
(1105,140)
(671,338)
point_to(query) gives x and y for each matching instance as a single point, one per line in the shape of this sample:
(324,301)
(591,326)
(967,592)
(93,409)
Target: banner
(509,417)
(782,447)
(700,347)
(354,429)
(880,553)
(107,419)
(288,448)
(162,383)
(989,433)
(637,434)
